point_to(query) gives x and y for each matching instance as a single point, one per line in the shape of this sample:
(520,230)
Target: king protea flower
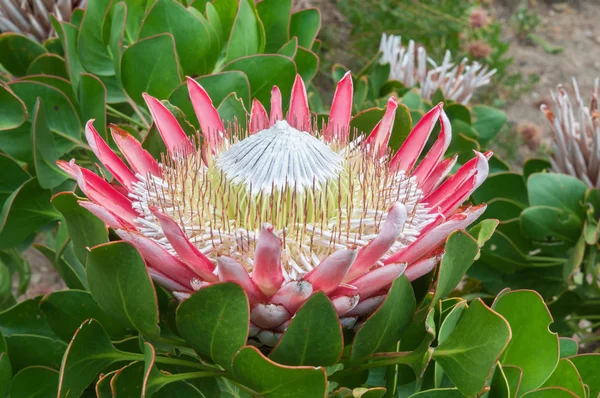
(412,67)
(283,208)
(32,17)
(576,135)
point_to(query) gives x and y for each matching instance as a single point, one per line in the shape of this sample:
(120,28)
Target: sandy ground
(573,25)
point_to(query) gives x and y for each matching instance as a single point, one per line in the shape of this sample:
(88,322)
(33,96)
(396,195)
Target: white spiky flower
(411,66)
(576,134)
(32,17)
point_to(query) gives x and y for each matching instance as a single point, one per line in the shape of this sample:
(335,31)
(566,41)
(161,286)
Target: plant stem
(193,375)
(120,114)
(76,141)
(172,361)
(398,358)
(166,340)
(138,112)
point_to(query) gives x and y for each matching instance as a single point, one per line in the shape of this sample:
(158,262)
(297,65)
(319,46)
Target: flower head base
(479,18)
(32,18)
(576,135)
(285,208)
(411,66)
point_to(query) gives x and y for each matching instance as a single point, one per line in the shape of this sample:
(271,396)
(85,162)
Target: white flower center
(280,157)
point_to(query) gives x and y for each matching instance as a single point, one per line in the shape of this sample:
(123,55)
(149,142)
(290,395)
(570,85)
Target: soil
(572,25)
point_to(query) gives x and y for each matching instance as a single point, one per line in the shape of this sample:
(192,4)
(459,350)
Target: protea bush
(231,235)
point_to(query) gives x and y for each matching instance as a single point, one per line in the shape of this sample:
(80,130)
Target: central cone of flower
(290,184)
(283,207)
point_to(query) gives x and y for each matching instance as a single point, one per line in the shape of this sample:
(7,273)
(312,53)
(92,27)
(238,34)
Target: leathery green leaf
(469,353)
(214,321)
(88,354)
(385,327)
(270,380)
(121,285)
(533,347)
(313,337)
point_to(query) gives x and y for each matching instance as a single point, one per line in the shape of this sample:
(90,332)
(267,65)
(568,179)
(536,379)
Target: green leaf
(469,353)
(290,48)
(365,121)
(5,371)
(503,185)
(543,222)
(44,152)
(461,250)
(568,347)
(533,347)
(34,382)
(488,122)
(25,211)
(121,12)
(218,86)
(11,177)
(68,38)
(19,265)
(535,165)
(247,34)
(196,41)
(362,392)
(25,318)
(7,299)
(48,64)
(29,350)
(85,229)
(62,117)
(227,11)
(92,102)
(499,386)
(59,83)
(103,385)
(17,52)
(128,381)
(385,327)
(150,65)
(232,110)
(483,231)
(66,310)
(305,24)
(264,72)
(550,392)
(275,16)
(307,63)
(13,112)
(72,273)
(214,321)
(588,365)
(566,376)
(120,284)
(557,190)
(93,53)
(270,380)
(88,354)
(439,393)
(313,337)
